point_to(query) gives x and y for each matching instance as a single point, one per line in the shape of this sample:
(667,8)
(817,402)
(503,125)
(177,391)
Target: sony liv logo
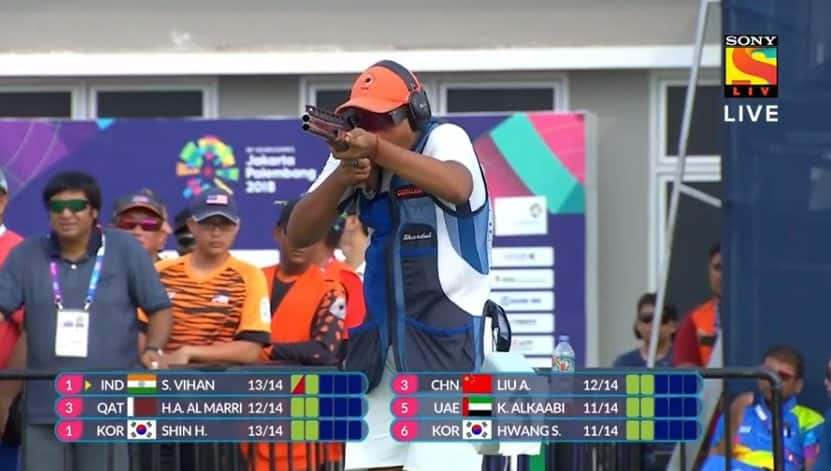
(751,71)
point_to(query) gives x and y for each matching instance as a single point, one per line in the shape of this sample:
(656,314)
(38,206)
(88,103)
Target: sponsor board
(523,279)
(524,300)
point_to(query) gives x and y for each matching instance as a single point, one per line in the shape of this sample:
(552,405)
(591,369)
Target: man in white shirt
(419,187)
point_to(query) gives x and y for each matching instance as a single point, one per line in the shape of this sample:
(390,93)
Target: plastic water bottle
(564,356)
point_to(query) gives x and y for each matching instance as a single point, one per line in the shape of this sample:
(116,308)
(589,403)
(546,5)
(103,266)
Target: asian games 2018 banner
(535,165)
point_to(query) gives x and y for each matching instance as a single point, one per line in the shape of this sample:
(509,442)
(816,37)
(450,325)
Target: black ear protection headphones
(418,106)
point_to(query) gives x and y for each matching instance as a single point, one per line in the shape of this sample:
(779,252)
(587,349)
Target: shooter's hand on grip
(360,144)
(355,172)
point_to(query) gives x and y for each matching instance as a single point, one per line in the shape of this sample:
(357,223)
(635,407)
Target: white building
(625,61)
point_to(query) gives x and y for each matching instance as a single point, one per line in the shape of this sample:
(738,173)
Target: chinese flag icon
(477,384)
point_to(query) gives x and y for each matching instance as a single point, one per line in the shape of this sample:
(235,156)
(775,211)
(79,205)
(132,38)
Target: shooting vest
(426,281)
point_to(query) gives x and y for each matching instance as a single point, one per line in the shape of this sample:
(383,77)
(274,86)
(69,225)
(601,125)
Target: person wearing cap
(145,216)
(308,308)
(9,331)
(421,190)
(220,303)
(184,238)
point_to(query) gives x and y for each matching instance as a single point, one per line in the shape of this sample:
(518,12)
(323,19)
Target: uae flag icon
(477,406)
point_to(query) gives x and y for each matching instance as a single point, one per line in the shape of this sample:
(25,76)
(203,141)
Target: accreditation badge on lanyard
(72,331)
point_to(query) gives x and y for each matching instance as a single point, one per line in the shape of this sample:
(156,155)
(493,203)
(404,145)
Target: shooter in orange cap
(421,191)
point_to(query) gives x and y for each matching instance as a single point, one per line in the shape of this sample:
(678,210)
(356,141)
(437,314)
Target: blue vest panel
(426,282)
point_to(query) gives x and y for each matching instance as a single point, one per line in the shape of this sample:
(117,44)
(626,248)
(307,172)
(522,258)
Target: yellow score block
(647,384)
(647,430)
(633,407)
(633,430)
(633,384)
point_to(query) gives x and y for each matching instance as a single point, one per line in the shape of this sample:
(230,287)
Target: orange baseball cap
(378,90)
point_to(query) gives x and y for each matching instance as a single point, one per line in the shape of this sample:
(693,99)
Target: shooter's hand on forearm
(359,144)
(354,172)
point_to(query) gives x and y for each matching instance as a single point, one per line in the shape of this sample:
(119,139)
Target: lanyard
(93,279)
(790,456)
(768,421)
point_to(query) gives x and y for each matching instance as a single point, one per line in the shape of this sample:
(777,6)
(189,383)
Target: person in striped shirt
(221,310)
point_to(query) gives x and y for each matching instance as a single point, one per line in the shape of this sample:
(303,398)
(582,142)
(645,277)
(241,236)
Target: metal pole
(679,178)
(778,445)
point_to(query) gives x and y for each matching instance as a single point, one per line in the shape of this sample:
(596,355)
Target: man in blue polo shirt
(80,286)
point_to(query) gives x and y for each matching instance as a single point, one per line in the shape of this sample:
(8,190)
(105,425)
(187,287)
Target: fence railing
(202,456)
(645,456)
(775,382)
(554,457)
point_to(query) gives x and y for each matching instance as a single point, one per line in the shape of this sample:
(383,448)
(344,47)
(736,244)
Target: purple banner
(534,164)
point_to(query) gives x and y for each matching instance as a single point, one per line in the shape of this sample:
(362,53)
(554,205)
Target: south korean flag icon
(476,430)
(141,430)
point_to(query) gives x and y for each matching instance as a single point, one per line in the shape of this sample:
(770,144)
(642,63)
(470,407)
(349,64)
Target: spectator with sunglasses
(656,456)
(643,331)
(421,191)
(750,422)
(145,216)
(81,286)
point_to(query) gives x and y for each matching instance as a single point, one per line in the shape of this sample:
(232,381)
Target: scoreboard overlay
(585,406)
(197,406)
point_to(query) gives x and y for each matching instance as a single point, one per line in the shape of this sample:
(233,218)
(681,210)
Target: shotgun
(328,125)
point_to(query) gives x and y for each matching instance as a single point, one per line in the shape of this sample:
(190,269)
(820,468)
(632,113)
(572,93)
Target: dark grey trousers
(42,451)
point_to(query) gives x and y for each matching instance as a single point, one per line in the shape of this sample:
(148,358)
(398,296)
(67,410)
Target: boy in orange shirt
(308,306)
(220,303)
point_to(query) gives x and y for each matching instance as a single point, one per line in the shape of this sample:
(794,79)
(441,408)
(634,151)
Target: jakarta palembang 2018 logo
(205,163)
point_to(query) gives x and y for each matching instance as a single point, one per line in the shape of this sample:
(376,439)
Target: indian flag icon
(141,384)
